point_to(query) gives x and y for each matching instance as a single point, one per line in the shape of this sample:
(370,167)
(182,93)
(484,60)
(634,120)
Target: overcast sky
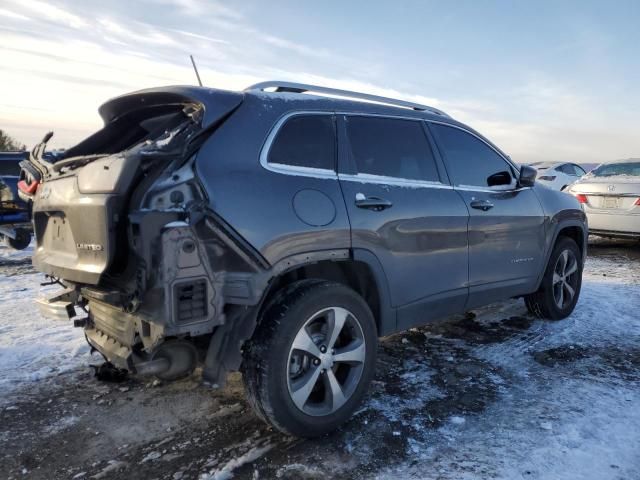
(544,80)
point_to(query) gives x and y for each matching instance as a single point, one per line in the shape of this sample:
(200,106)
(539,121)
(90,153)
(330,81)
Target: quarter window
(391,148)
(470,161)
(305,141)
(567,168)
(579,171)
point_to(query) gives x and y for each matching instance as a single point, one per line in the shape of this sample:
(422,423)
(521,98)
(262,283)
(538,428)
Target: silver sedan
(610,196)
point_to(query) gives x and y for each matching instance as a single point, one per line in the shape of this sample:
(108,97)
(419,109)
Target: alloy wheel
(326,360)
(565,279)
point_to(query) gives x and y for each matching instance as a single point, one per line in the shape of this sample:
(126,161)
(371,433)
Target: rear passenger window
(470,161)
(391,148)
(306,141)
(568,169)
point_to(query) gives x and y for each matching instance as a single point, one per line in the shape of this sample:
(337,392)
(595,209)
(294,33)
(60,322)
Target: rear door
(506,224)
(403,210)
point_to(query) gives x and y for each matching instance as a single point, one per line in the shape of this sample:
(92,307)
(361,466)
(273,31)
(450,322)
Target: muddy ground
(491,394)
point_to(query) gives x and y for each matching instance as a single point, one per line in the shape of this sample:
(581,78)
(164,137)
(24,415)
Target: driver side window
(471,162)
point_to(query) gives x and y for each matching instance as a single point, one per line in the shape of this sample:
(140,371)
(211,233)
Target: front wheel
(560,287)
(311,359)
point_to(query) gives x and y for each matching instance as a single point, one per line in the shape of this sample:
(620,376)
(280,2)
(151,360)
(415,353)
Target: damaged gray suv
(281,230)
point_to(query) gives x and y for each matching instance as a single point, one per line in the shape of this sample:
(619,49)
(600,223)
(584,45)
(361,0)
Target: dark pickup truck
(15,218)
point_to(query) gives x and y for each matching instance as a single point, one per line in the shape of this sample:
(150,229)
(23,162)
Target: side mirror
(527,176)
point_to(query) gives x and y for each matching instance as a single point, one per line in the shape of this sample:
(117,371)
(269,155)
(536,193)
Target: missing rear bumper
(118,354)
(171,360)
(59,306)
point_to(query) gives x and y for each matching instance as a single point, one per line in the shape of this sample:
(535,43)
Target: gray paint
(431,253)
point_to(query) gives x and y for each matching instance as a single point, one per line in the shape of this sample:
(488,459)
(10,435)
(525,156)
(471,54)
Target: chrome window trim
(362,177)
(500,154)
(384,115)
(292,169)
(401,182)
(481,188)
(383,179)
(468,188)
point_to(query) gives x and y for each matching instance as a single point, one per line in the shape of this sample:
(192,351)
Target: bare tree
(10,144)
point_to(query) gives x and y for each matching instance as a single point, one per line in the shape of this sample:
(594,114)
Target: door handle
(372,203)
(483,205)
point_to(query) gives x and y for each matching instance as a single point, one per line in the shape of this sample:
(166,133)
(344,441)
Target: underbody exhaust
(172,360)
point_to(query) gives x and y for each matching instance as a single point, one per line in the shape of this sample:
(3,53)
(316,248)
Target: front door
(402,210)
(506,223)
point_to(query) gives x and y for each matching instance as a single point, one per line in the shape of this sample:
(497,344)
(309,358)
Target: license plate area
(610,202)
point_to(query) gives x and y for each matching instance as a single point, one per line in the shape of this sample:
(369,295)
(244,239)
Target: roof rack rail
(302,88)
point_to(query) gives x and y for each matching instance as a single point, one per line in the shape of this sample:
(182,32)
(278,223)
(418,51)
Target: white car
(610,196)
(558,176)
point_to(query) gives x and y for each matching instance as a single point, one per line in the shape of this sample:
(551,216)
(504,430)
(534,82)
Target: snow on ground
(551,421)
(12,255)
(32,349)
(492,394)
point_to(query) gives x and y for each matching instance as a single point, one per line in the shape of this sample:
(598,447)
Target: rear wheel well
(574,233)
(354,274)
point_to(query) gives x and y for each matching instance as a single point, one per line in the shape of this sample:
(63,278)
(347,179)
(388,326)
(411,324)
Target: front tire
(560,287)
(311,358)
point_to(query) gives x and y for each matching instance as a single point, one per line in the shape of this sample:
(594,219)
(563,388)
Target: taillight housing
(637,202)
(548,178)
(29,189)
(581,197)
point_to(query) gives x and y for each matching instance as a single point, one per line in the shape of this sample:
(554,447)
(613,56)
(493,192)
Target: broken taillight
(29,189)
(582,198)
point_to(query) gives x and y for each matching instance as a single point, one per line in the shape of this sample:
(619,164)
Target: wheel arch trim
(559,227)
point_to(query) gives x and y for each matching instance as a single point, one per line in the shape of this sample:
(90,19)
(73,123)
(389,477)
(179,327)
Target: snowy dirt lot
(493,394)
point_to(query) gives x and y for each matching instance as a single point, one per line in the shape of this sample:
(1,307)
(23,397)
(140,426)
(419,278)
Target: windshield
(631,169)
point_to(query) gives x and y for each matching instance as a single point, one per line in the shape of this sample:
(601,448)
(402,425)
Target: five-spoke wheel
(559,289)
(325,361)
(565,278)
(309,363)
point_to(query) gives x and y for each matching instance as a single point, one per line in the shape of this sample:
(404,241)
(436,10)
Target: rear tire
(560,287)
(311,359)
(22,240)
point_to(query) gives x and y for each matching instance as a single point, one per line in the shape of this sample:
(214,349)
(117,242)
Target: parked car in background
(281,233)
(15,226)
(558,175)
(610,196)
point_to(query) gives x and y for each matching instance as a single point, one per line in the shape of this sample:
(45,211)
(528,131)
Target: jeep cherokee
(281,230)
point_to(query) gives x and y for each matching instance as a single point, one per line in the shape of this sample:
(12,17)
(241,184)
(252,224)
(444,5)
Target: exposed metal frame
(303,88)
